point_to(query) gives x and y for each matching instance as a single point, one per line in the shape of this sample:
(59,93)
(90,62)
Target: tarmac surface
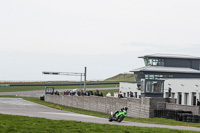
(42,92)
(18,106)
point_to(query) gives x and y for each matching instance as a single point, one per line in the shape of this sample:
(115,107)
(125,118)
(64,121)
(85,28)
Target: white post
(177,97)
(183,99)
(190,99)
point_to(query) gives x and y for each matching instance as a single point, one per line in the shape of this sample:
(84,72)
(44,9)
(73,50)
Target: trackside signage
(4,85)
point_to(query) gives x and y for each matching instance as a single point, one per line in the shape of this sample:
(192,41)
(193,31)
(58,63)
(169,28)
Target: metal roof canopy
(166,69)
(175,56)
(70,74)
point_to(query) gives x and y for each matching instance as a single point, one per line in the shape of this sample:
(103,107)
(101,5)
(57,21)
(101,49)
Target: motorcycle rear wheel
(110,119)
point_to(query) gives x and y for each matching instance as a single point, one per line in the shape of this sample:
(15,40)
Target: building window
(146,62)
(149,76)
(127,94)
(154,62)
(136,94)
(157,76)
(154,86)
(124,94)
(173,95)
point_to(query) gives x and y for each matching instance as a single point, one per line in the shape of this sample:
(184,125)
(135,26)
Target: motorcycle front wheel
(120,118)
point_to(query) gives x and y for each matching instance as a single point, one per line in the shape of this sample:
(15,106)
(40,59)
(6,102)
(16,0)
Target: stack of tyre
(178,115)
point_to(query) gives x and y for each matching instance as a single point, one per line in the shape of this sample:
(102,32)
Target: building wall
(195,64)
(187,88)
(177,63)
(125,87)
(183,90)
(138,108)
(182,63)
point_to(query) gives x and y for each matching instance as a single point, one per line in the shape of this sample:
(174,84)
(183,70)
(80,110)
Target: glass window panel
(155,62)
(151,76)
(150,62)
(154,86)
(146,61)
(148,86)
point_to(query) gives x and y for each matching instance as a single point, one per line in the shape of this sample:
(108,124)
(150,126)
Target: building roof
(158,55)
(166,69)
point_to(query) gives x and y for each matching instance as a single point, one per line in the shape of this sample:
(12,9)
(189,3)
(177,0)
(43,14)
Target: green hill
(122,77)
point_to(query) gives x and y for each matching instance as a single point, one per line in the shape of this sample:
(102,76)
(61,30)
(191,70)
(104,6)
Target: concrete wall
(195,109)
(138,108)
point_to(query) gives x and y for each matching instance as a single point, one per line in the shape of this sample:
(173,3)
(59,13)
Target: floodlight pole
(85,79)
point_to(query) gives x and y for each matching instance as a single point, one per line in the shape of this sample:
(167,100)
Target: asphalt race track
(18,106)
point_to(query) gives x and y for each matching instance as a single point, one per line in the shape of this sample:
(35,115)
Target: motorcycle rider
(121,110)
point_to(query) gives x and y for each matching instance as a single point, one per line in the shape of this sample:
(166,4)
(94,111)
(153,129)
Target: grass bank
(162,121)
(13,124)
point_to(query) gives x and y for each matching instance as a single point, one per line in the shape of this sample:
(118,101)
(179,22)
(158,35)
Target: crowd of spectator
(82,93)
(120,95)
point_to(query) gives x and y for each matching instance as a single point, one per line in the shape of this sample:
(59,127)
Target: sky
(106,36)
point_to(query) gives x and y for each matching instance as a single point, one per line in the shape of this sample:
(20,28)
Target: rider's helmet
(126,108)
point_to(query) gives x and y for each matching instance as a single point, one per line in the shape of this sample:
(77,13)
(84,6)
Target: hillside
(122,77)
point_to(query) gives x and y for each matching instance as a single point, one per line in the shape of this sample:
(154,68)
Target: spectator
(91,92)
(97,93)
(79,93)
(86,93)
(131,94)
(70,93)
(120,95)
(82,93)
(57,93)
(101,94)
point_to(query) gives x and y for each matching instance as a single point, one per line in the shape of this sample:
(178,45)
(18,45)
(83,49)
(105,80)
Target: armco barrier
(139,108)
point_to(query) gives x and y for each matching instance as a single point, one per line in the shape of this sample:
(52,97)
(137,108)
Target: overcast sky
(106,36)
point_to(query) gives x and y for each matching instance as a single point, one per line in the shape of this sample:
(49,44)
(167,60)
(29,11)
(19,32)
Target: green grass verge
(19,124)
(162,121)
(33,88)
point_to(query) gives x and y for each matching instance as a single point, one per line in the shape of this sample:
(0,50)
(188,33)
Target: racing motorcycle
(118,115)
